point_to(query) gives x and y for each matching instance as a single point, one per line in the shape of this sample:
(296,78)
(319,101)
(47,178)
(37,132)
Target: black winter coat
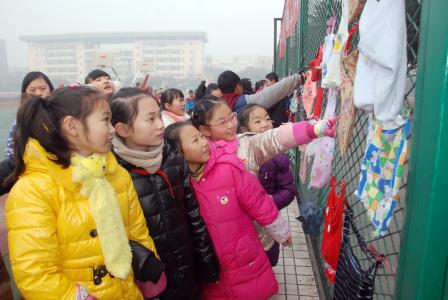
(278,112)
(179,233)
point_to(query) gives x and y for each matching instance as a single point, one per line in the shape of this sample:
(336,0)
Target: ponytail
(41,120)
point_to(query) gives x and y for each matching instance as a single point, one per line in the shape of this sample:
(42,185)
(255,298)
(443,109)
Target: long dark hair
(247,86)
(41,119)
(31,76)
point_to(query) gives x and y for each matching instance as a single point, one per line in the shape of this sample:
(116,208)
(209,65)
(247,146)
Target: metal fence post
(276,20)
(423,268)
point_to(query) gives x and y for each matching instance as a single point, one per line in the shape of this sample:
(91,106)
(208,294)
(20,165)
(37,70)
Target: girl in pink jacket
(230,198)
(215,119)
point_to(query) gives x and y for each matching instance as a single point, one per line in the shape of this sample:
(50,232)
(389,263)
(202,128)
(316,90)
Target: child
(217,122)
(33,84)
(101,81)
(230,198)
(73,210)
(189,102)
(173,107)
(275,175)
(161,179)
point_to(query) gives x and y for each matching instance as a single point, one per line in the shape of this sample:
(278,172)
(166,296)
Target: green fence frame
(423,272)
(301,47)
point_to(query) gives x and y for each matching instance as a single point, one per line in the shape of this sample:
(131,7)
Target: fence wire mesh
(301,47)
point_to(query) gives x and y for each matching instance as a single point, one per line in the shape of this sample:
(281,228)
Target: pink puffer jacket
(230,197)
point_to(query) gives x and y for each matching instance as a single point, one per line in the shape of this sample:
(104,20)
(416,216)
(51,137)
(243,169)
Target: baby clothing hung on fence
(331,240)
(381,70)
(348,108)
(303,163)
(324,148)
(311,217)
(328,47)
(355,8)
(332,77)
(308,96)
(382,172)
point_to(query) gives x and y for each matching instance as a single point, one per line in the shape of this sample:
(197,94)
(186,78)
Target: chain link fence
(301,47)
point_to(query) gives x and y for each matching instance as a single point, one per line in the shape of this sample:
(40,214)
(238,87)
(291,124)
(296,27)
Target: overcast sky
(234,27)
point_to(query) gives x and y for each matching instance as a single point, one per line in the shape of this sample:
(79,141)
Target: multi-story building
(69,57)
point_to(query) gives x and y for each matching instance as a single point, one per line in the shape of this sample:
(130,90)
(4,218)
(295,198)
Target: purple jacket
(277,179)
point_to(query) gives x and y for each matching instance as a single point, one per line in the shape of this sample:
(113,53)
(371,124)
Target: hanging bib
(308,96)
(328,47)
(382,172)
(332,76)
(323,158)
(348,108)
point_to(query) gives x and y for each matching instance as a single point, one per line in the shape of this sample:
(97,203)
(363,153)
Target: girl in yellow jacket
(73,210)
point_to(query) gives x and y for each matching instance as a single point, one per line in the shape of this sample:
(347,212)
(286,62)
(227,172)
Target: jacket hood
(222,151)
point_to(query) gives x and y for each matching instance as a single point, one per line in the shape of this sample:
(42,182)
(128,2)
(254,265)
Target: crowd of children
(120,195)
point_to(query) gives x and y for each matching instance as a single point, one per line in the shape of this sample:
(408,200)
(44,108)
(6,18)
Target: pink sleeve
(293,134)
(254,199)
(279,230)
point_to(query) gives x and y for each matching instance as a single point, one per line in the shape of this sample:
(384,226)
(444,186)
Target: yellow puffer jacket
(53,244)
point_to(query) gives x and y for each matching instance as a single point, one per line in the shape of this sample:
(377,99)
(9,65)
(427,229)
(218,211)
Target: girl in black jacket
(160,178)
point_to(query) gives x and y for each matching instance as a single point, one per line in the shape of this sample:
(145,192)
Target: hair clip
(75,85)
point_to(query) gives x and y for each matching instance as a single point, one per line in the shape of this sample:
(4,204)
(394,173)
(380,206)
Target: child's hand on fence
(326,127)
(288,242)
